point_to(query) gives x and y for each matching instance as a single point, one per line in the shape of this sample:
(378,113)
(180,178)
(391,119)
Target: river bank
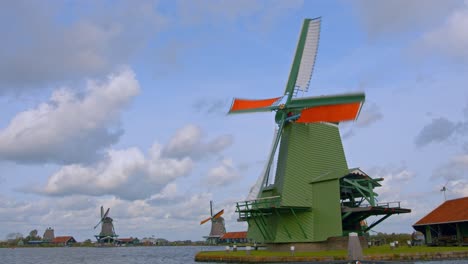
(371,254)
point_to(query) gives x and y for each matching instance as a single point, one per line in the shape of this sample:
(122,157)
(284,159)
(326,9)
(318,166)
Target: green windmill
(313,195)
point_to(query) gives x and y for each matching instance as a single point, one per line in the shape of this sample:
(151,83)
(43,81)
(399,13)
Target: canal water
(118,255)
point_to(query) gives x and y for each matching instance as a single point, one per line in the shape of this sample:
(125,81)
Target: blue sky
(123,104)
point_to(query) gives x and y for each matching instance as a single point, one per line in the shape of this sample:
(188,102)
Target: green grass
(380,250)
(265,253)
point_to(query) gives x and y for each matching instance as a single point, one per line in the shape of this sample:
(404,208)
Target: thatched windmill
(217,225)
(107,234)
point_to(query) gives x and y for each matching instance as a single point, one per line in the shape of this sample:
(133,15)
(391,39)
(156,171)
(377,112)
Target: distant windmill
(217,225)
(107,234)
(444,189)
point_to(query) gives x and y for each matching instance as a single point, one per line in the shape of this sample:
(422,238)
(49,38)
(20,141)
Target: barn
(447,224)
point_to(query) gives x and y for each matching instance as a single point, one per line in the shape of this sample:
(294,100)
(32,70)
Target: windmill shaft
(211,208)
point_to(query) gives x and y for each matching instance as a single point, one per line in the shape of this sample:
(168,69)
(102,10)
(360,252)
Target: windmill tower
(107,234)
(313,195)
(217,225)
(48,235)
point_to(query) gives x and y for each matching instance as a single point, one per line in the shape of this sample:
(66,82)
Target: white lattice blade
(255,189)
(309,54)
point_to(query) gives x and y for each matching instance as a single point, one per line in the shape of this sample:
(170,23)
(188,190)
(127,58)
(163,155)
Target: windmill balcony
(347,206)
(261,206)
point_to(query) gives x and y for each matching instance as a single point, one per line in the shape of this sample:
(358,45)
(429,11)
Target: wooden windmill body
(313,195)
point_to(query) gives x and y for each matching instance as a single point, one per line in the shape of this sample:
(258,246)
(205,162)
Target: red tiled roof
(234,235)
(126,239)
(450,211)
(62,239)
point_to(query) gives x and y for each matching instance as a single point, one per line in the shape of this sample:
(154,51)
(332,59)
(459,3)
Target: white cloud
(370,114)
(400,185)
(383,17)
(394,178)
(223,174)
(439,130)
(451,38)
(188,142)
(127,174)
(454,174)
(137,218)
(260,15)
(167,193)
(70,127)
(40,48)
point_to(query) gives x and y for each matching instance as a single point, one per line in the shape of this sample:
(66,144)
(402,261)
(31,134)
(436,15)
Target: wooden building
(234,237)
(447,224)
(128,241)
(64,240)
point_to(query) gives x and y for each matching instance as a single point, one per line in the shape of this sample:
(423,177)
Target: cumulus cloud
(380,18)
(169,192)
(71,127)
(127,174)
(188,141)
(40,48)
(394,178)
(450,38)
(131,218)
(455,174)
(223,174)
(440,129)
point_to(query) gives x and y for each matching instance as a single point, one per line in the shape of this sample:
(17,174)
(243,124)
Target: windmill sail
(255,189)
(304,58)
(309,54)
(248,105)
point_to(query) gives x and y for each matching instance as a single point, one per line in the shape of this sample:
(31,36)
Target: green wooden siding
(327,209)
(307,152)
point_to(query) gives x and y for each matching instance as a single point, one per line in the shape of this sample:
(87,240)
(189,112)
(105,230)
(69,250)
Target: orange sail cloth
(218,214)
(330,113)
(204,221)
(246,104)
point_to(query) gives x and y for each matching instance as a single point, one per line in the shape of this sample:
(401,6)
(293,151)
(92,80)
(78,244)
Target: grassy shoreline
(374,253)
